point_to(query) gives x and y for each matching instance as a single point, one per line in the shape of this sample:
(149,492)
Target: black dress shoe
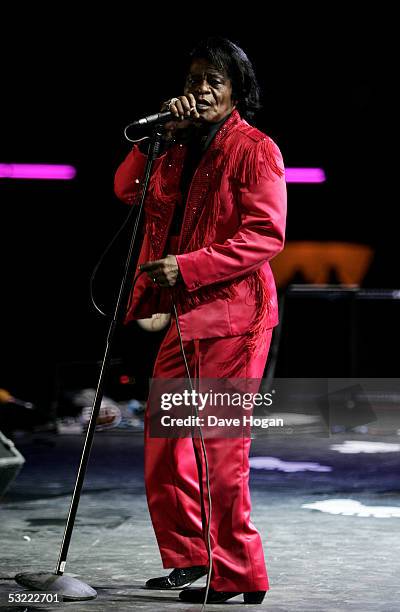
(197,596)
(178,578)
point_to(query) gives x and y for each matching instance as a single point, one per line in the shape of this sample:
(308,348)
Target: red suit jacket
(233,224)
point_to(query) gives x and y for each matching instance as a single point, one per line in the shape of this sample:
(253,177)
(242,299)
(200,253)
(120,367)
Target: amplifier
(338,332)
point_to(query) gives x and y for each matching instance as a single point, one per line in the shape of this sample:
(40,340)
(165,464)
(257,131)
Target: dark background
(71,84)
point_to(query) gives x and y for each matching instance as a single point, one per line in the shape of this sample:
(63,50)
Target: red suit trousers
(172,482)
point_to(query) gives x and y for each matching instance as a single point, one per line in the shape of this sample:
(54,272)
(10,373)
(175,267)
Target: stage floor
(331,558)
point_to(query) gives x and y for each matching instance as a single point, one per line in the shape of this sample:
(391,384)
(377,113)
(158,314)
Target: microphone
(7,398)
(157,118)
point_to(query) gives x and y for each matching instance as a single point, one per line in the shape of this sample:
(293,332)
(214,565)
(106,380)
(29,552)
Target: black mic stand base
(69,588)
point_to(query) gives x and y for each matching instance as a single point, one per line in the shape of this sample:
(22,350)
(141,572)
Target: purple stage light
(37,171)
(66,173)
(305,175)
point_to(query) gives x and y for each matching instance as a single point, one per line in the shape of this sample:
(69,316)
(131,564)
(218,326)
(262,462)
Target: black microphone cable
(101,259)
(200,476)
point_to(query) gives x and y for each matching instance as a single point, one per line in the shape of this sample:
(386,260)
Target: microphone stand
(72,589)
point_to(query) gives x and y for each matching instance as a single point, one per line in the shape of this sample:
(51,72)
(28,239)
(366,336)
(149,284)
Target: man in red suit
(215,216)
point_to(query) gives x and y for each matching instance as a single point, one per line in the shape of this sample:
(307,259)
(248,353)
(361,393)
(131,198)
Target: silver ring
(171,102)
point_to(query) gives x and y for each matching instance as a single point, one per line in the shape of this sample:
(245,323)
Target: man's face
(212,90)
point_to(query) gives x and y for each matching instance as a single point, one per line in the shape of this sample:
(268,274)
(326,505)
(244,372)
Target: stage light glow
(66,173)
(37,171)
(273,463)
(352,507)
(305,175)
(353,447)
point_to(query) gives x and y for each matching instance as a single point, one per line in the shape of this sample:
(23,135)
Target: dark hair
(233,61)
